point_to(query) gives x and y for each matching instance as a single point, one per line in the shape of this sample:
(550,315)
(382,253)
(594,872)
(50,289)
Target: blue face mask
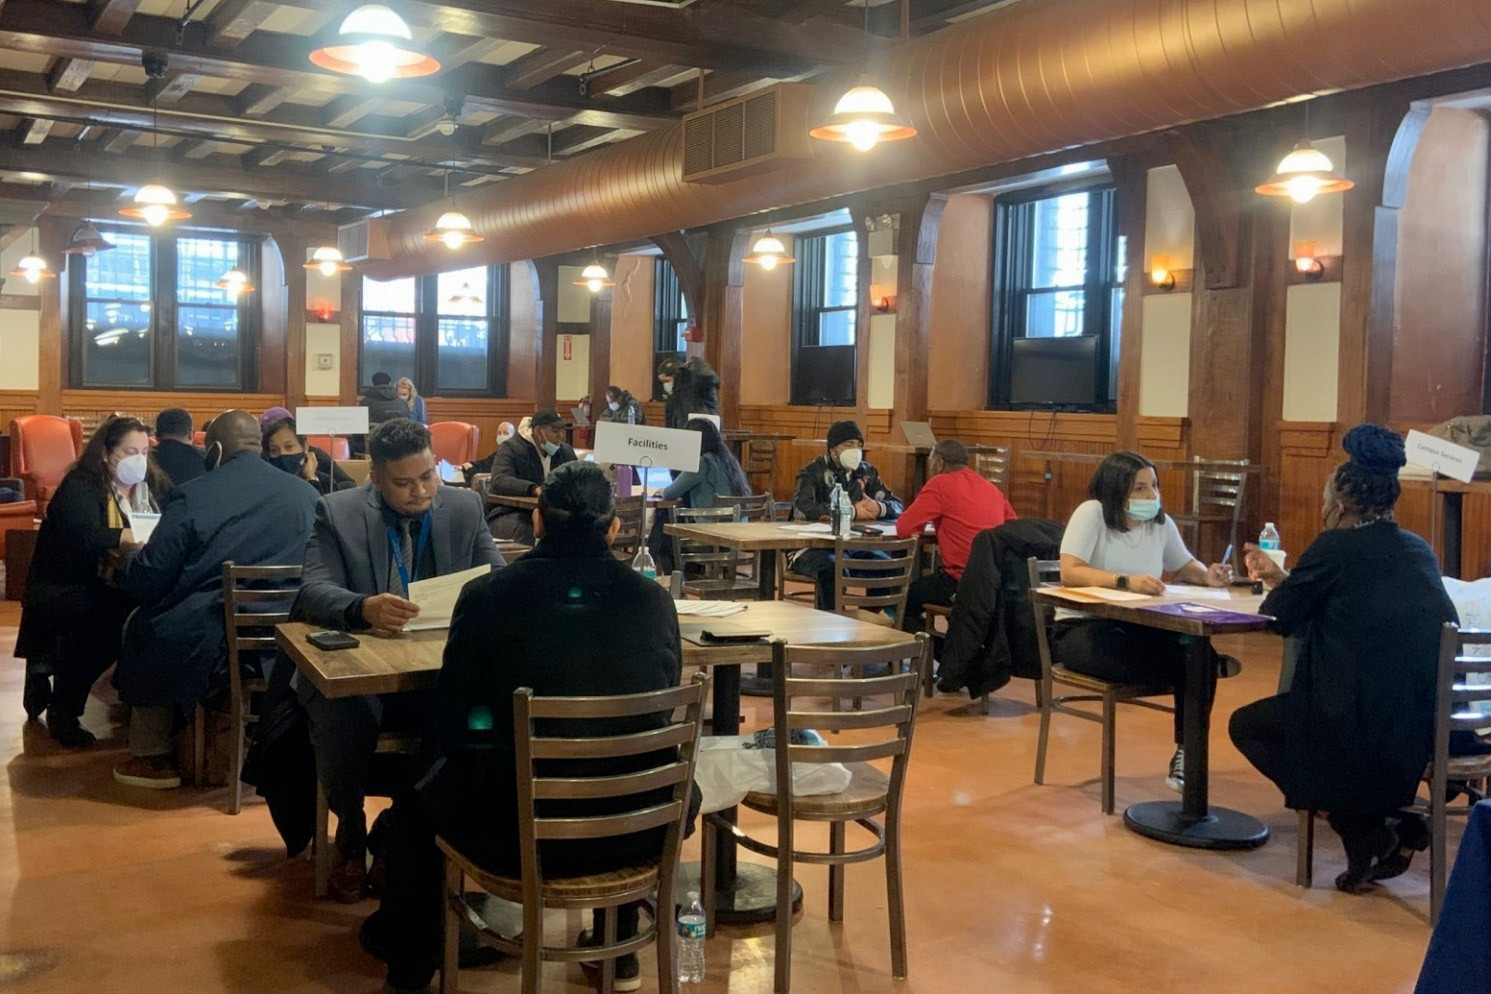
(1143,510)
(291,464)
(550,448)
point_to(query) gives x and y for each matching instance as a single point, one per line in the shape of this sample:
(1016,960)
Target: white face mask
(667,386)
(131,469)
(614,406)
(851,458)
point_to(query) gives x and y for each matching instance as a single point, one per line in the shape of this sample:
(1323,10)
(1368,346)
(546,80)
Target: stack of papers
(817,527)
(436,598)
(709,609)
(1090,595)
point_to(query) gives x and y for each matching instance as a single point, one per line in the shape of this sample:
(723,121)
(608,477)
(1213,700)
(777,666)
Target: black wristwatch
(1120,582)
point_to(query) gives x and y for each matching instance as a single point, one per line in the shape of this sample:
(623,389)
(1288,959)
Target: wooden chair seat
(867,794)
(1071,678)
(1465,768)
(557,890)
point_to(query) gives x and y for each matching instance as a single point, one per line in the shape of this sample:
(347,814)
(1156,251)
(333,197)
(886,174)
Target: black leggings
(1258,731)
(1111,650)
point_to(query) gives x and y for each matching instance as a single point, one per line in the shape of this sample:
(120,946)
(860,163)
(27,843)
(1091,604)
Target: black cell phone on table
(332,640)
(723,636)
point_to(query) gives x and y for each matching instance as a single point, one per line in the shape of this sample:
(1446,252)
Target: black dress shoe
(37,696)
(69,733)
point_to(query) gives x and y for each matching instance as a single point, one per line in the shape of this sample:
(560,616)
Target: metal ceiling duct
(1024,80)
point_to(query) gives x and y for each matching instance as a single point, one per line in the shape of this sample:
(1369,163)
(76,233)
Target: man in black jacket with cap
(519,468)
(843,465)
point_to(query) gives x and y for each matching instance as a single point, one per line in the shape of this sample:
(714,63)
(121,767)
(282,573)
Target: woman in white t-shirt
(1122,539)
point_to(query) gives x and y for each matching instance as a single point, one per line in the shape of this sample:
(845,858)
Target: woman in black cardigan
(1355,730)
(287,450)
(72,615)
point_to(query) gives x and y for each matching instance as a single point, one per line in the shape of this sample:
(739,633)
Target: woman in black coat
(287,450)
(73,616)
(1355,731)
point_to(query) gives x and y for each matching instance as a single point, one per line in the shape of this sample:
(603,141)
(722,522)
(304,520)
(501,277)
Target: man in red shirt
(959,504)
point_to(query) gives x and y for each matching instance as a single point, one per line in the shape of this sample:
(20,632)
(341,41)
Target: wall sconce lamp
(1307,263)
(1161,275)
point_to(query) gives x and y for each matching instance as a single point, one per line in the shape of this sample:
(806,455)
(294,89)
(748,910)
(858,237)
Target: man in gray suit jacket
(367,546)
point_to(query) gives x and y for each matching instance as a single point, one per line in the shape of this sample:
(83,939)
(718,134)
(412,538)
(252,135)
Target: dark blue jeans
(819,564)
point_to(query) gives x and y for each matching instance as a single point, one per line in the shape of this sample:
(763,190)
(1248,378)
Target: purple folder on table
(1203,612)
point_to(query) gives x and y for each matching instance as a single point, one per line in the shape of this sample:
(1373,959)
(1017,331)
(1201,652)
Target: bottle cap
(693,895)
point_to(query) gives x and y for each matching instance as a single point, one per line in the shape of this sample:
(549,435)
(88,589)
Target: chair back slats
(860,753)
(573,788)
(840,721)
(610,745)
(842,688)
(630,511)
(750,507)
(714,566)
(861,582)
(993,464)
(1041,571)
(682,708)
(256,619)
(606,826)
(854,656)
(261,643)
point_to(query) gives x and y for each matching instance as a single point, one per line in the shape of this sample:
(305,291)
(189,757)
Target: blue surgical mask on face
(550,448)
(1142,509)
(292,463)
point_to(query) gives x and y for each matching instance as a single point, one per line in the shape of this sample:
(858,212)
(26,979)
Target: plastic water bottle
(1269,537)
(691,941)
(846,514)
(836,509)
(643,563)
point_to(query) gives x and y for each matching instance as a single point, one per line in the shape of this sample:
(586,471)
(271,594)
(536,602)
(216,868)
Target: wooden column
(1131,180)
(546,330)
(600,349)
(52,237)
(282,353)
(720,317)
(351,307)
(916,253)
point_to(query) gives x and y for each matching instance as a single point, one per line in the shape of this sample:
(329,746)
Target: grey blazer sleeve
(324,594)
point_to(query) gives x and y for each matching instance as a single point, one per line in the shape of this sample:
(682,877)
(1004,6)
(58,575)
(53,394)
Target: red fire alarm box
(693,333)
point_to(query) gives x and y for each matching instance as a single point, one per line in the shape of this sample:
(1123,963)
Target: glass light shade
(594,278)
(155,203)
(87,241)
(328,261)
(454,229)
(234,282)
(33,269)
(375,43)
(1302,174)
(768,252)
(864,117)
(464,297)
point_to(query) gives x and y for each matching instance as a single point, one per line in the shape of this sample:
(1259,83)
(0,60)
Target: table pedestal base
(1222,828)
(750,901)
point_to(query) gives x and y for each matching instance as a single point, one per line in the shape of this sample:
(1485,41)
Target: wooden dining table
(1193,821)
(411,662)
(768,538)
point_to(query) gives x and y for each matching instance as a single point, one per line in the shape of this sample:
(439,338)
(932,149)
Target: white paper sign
(331,420)
(635,445)
(1454,461)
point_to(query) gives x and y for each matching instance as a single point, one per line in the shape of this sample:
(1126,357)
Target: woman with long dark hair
(1121,538)
(286,449)
(1354,731)
(72,614)
(719,473)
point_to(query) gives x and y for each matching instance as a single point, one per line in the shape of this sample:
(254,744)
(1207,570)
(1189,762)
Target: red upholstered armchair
(42,449)
(335,446)
(18,516)
(455,441)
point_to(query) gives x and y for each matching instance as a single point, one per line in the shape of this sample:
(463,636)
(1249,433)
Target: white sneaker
(1176,781)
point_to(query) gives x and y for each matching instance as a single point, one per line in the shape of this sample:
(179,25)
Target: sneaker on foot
(628,969)
(1176,781)
(151,772)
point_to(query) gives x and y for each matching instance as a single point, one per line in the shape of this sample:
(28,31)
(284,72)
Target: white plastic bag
(727,771)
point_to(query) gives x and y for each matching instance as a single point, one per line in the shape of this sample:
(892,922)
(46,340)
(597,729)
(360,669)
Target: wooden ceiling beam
(170,89)
(209,115)
(631,77)
(285,183)
(34,131)
(110,17)
(118,141)
(573,141)
(67,75)
(713,35)
(40,27)
(718,86)
(259,99)
(345,111)
(508,129)
(231,21)
(263,157)
(540,67)
(205,216)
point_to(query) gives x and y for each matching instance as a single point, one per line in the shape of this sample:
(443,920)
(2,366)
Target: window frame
(164,333)
(669,309)
(808,278)
(496,292)
(1013,233)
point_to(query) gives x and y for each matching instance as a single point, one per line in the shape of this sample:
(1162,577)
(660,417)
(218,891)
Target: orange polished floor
(1011,887)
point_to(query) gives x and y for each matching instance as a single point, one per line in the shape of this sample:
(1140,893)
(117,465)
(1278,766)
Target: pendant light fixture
(864,116)
(155,203)
(375,43)
(328,261)
(594,277)
(86,241)
(465,297)
(33,268)
(453,227)
(768,252)
(1305,172)
(234,282)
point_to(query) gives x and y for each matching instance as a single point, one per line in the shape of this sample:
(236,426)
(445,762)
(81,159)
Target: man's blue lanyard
(405,569)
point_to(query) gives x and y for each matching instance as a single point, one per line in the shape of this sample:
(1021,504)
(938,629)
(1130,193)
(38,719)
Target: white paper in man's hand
(436,598)
(142,526)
